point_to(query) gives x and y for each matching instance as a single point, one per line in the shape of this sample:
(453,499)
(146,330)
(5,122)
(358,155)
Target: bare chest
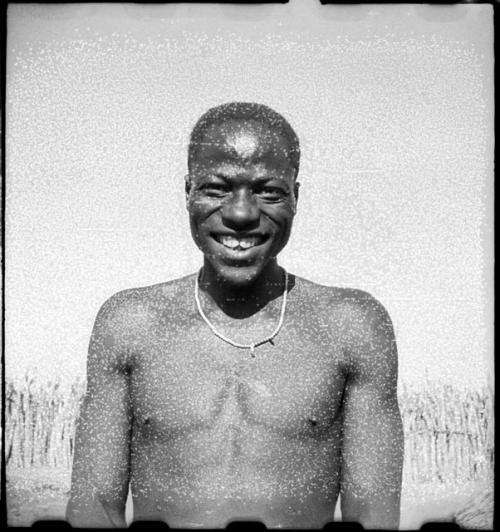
(192,381)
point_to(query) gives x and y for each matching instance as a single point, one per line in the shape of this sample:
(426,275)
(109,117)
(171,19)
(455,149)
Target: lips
(240,243)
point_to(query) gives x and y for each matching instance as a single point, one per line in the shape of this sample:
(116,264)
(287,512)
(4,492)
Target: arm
(99,483)
(372,443)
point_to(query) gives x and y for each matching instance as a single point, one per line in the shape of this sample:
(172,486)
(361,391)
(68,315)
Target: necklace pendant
(228,340)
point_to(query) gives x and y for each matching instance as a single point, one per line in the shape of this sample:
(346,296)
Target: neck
(242,301)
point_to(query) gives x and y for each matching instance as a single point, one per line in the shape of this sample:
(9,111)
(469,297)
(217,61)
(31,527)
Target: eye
(214,190)
(271,193)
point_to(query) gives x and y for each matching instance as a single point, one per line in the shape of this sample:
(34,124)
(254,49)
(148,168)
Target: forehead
(243,142)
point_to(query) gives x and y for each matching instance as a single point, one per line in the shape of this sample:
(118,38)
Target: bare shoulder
(354,304)
(356,317)
(133,312)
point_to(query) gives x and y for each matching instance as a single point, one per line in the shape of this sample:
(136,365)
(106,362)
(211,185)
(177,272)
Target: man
(241,391)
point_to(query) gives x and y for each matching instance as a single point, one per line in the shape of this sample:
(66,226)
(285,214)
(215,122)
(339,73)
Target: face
(241,197)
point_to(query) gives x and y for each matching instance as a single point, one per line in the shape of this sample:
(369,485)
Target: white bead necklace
(236,344)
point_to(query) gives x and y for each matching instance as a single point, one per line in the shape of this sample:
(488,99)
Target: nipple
(260,388)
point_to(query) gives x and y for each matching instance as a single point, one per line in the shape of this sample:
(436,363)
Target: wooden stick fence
(40,423)
(447,433)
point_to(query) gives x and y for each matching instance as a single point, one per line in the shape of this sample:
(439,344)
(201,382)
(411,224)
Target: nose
(241,211)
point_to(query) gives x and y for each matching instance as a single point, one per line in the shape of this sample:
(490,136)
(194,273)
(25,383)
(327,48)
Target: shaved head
(244,145)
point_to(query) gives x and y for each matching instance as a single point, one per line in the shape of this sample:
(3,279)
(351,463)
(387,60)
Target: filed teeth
(243,243)
(229,242)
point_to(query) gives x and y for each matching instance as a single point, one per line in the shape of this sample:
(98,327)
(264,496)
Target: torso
(221,436)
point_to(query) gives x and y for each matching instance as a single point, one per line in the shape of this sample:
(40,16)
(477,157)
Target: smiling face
(241,197)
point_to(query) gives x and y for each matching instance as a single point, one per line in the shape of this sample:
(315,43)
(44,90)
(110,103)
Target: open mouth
(240,244)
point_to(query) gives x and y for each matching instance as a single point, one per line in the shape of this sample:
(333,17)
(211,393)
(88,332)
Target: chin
(238,276)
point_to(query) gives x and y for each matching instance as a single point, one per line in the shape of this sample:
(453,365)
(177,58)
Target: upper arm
(372,443)
(100,475)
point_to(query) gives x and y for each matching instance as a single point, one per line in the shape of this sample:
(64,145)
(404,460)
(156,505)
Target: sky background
(393,105)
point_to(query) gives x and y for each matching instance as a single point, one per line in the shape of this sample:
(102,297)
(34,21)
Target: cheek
(281,216)
(285,223)
(200,209)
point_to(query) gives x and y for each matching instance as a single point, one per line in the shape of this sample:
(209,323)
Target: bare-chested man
(190,402)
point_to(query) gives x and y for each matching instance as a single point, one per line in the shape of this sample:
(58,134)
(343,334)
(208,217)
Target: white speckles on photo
(393,108)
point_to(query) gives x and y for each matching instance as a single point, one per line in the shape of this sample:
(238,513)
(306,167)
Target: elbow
(372,512)
(95,511)
(373,519)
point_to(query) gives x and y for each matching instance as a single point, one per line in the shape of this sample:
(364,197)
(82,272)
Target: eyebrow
(257,180)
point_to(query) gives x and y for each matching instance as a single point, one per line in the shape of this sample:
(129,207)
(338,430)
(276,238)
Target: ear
(296,187)
(187,188)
